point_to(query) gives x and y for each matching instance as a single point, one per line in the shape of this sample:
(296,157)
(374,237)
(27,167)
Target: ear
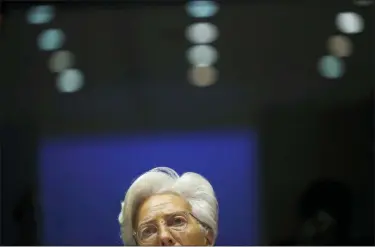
(210,238)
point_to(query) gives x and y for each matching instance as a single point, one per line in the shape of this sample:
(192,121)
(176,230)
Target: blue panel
(83,180)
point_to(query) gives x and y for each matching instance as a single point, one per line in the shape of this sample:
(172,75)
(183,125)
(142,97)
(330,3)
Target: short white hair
(194,188)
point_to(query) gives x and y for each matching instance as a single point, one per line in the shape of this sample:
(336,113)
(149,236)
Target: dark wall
(299,141)
(298,144)
(18,180)
(302,144)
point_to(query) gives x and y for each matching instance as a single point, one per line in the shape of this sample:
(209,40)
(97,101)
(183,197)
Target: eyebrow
(149,219)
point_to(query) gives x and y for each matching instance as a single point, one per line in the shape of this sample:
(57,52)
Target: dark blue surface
(83,180)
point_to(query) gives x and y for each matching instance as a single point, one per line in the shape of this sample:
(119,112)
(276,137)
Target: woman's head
(163,208)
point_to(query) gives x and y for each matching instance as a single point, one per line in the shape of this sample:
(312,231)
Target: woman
(163,208)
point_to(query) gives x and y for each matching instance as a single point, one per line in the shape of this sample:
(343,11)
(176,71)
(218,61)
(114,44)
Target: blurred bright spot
(349,22)
(202,33)
(340,46)
(331,67)
(70,81)
(202,9)
(202,55)
(61,60)
(51,39)
(40,14)
(203,76)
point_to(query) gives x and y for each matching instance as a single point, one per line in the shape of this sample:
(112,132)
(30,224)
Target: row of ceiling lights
(202,56)
(52,40)
(332,66)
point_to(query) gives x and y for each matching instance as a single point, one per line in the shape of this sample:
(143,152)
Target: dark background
(309,127)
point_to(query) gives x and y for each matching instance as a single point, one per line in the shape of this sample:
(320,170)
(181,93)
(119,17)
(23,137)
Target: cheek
(191,236)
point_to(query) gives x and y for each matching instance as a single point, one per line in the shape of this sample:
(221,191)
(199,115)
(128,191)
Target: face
(166,220)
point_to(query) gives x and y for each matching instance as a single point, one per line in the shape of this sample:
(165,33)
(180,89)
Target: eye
(178,221)
(147,231)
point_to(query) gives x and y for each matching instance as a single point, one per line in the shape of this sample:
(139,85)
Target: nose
(166,238)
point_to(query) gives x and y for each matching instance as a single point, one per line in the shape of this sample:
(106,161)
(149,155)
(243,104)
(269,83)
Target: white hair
(194,188)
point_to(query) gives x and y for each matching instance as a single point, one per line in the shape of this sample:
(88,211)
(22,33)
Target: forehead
(159,205)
